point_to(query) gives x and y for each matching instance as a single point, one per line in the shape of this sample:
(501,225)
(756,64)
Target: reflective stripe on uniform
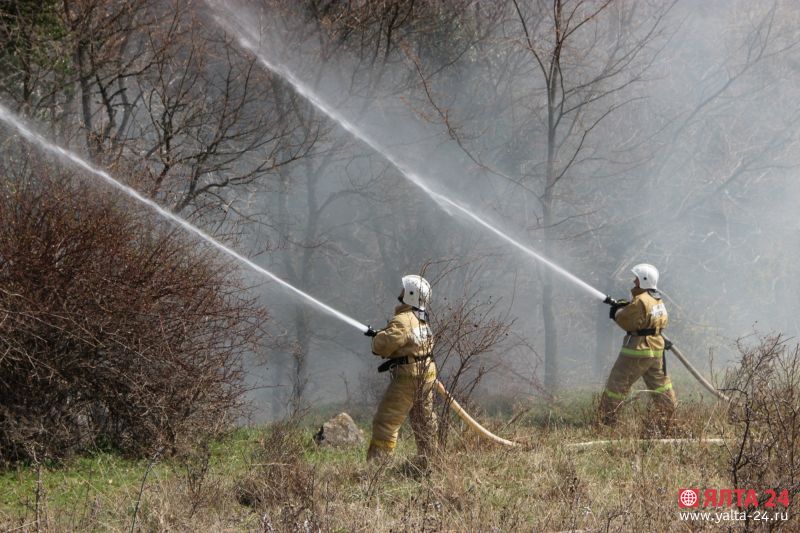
(384,444)
(630,352)
(615,395)
(663,388)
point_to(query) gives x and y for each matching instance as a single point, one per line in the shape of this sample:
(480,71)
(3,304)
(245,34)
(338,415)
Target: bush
(115,329)
(281,486)
(765,412)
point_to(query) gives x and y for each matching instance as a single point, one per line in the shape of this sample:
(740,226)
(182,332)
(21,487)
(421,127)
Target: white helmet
(647,274)
(416,291)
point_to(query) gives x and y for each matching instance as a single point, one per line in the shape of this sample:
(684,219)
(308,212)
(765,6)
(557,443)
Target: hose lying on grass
(589,444)
(485,433)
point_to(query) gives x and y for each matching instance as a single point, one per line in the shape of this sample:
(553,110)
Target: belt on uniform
(654,331)
(397,361)
(644,332)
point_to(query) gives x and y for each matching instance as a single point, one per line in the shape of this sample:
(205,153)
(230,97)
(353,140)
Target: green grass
(101,480)
(544,485)
(69,484)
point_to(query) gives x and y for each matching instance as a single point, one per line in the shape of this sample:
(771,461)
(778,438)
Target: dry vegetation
(115,331)
(275,479)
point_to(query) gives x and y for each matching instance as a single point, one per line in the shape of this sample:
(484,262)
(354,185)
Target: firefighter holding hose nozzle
(642,353)
(407,345)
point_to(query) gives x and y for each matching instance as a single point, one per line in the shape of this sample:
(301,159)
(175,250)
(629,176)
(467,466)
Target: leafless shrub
(114,329)
(765,389)
(467,329)
(281,486)
(195,469)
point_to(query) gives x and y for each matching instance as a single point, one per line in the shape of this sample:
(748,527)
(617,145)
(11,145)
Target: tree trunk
(548,303)
(86,99)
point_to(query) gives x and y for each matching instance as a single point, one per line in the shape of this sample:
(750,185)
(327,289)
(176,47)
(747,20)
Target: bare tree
(721,153)
(587,55)
(212,120)
(156,88)
(337,173)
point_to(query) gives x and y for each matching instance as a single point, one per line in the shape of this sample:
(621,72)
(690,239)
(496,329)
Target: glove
(616,306)
(370,332)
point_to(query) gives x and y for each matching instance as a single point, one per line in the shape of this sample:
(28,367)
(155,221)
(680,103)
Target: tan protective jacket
(644,312)
(404,335)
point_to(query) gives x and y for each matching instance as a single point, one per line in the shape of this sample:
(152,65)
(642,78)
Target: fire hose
(692,370)
(616,442)
(485,433)
(448,398)
(471,422)
(8,117)
(669,345)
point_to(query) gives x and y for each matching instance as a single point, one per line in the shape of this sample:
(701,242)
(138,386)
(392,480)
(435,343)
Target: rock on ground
(340,431)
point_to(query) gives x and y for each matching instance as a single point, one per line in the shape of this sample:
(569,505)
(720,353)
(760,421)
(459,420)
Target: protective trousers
(409,393)
(624,374)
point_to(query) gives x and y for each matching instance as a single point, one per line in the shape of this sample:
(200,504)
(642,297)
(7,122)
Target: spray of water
(250,43)
(9,118)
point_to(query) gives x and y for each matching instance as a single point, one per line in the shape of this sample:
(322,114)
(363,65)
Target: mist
(667,135)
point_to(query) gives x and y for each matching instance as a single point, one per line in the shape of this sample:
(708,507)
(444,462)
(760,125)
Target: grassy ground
(276,479)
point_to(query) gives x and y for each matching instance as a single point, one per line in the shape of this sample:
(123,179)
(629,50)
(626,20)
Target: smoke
(675,145)
(692,171)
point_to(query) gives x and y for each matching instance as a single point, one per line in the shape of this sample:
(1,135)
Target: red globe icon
(688,497)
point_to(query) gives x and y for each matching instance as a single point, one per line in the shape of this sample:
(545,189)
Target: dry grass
(275,479)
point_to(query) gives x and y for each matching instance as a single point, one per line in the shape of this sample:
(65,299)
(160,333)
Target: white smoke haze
(679,170)
(686,159)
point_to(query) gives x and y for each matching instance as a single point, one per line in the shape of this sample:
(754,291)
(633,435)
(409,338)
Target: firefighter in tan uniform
(407,344)
(642,353)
